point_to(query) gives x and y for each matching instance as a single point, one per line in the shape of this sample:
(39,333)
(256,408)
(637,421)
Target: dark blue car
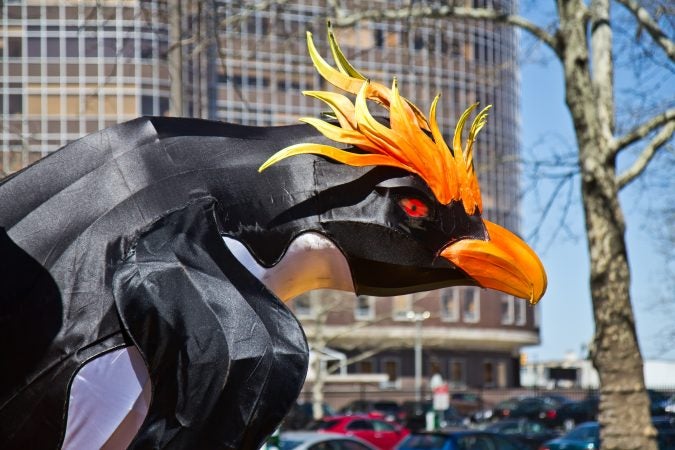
(458,440)
(587,436)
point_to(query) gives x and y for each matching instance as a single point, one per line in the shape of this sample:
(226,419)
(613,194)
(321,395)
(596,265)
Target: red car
(384,435)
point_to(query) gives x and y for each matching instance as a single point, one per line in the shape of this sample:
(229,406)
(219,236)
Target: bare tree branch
(445,11)
(360,357)
(647,154)
(643,130)
(649,24)
(602,74)
(249,11)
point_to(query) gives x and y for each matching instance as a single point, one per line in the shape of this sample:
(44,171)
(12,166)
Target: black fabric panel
(33,397)
(30,307)
(226,358)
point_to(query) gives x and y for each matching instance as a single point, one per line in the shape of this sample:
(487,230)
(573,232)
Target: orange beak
(504,263)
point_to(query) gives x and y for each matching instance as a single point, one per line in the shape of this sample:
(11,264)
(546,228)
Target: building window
(520,311)
(401,305)
(470,304)
(303,307)
(435,366)
(15,103)
(14,47)
(501,374)
(164,106)
(537,316)
(53,47)
(364,308)
(457,377)
(72,47)
(507,309)
(147,105)
(366,366)
(488,373)
(450,305)
(391,368)
(33,45)
(379,37)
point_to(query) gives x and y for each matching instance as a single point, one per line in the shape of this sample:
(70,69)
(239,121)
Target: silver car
(309,440)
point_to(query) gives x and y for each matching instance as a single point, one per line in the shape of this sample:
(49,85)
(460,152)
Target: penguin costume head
(401,206)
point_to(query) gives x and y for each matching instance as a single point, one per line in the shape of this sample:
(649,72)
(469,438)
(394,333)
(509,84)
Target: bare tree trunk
(318,344)
(624,405)
(317,388)
(175,58)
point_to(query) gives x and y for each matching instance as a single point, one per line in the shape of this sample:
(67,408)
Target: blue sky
(567,322)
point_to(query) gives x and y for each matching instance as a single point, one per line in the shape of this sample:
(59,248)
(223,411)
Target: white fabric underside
(109,399)
(110,395)
(312,261)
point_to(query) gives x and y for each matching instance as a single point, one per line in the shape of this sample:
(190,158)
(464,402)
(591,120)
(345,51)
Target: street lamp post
(418,318)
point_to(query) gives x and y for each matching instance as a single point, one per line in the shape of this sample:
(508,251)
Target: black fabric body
(201,320)
(70,261)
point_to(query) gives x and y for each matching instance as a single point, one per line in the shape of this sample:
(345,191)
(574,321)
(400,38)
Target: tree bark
(175,59)
(624,405)
(318,344)
(317,387)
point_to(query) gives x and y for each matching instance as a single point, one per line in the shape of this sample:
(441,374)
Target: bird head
(410,216)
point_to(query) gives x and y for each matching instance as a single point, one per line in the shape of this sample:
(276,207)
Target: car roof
(351,417)
(509,421)
(452,432)
(313,436)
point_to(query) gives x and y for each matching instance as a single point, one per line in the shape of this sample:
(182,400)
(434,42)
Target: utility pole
(418,318)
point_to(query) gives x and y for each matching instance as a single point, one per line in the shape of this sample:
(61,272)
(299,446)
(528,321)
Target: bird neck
(312,261)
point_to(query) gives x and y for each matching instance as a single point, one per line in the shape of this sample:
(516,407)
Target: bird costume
(144,268)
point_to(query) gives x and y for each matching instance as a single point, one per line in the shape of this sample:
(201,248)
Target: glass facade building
(72,68)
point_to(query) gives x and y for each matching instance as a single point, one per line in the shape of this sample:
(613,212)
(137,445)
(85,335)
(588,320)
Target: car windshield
(323,425)
(385,406)
(430,441)
(583,433)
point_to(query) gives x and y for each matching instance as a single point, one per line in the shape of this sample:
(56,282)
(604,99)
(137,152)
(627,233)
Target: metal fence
(338,396)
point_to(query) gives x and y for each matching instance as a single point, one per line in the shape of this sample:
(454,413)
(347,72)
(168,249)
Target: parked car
(301,415)
(385,409)
(466,403)
(308,440)
(665,427)
(384,435)
(658,402)
(529,433)
(583,437)
(587,436)
(458,440)
(669,405)
(571,413)
(543,409)
(413,415)
(499,411)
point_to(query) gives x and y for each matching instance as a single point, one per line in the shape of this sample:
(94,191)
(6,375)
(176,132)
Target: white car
(310,440)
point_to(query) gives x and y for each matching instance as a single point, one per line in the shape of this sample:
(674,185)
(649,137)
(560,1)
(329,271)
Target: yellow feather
(457,140)
(342,135)
(341,106)
(342,156)
(343,64)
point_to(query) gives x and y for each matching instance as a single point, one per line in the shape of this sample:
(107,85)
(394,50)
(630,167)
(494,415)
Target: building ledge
(456,338)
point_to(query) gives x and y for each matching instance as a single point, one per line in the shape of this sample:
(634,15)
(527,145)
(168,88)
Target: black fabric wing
(226,358)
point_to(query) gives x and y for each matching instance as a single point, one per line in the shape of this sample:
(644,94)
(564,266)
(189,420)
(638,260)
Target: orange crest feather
(405,144)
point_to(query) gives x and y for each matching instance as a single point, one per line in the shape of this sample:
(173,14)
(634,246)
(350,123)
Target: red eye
(414,207)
